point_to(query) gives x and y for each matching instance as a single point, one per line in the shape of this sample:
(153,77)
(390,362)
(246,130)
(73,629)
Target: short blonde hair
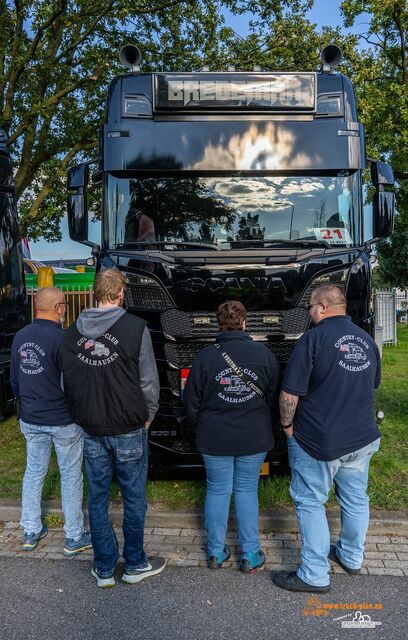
(108,285)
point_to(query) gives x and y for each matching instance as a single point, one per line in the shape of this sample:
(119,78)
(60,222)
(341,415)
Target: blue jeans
(68,442)
(227,474)
(126,455)
(311,482)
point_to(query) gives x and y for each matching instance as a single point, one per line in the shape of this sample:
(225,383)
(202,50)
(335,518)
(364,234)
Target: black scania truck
(13,301)
(230,185)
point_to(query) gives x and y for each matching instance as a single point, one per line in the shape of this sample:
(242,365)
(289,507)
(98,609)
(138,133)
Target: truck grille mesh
(181,324)
(147,298)
(183,354)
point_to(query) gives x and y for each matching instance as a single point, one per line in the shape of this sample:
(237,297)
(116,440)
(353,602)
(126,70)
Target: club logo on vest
(234,390)
(29,355)
(98,349)
(353,353)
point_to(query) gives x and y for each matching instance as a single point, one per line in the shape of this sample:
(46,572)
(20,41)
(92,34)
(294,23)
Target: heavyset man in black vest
(112,388)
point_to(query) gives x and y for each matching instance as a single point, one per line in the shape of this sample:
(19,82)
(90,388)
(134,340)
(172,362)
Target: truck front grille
(174,381)
(180,324)
(295,321)
(182,354)
(147,298)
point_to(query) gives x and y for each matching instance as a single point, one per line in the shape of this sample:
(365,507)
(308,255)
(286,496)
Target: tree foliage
(56,60)
(380,76)
(393,253)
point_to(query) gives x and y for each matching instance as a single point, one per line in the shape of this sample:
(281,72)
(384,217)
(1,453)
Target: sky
(324,12)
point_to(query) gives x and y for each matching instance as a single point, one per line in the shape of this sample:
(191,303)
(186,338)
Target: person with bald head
(35,378)
(327,413)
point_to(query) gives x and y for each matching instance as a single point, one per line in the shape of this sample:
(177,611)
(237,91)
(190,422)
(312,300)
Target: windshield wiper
(306,243)
(164,243)
(204,245)
(282,243)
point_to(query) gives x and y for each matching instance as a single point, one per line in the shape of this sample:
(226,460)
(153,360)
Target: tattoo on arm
(287,406)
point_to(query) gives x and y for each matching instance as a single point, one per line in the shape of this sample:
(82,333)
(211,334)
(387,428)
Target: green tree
(56,60)
(393,253)
(380,75)
(281,38)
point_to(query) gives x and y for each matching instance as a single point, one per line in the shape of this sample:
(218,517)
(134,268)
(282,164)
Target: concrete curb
(394,523)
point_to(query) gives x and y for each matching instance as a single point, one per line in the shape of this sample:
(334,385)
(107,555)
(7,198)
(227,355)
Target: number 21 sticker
(333,235)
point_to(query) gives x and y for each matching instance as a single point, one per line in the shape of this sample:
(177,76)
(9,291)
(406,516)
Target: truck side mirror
(77,203)
(77,217)
(383,210)
(384,201)
(78,177)
(381,174)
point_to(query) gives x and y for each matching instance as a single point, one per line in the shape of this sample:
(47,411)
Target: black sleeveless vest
(102,379)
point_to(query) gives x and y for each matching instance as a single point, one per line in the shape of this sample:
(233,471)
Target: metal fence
(78,300)
(391,306)
(401,297)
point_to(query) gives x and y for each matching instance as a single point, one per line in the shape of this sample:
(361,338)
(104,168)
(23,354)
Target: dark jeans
(126,455)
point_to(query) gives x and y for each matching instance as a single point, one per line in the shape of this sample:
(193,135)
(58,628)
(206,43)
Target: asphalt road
(58,600)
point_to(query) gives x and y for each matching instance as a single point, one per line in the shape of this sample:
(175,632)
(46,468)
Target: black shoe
(215,562)
(335,558)
(290,581)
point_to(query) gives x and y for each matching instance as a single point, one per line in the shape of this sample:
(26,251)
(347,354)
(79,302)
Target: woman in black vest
(229,393)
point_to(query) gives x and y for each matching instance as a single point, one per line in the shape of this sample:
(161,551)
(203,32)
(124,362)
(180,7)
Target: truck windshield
(234,212)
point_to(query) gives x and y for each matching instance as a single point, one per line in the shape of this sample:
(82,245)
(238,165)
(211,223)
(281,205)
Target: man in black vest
(112,388)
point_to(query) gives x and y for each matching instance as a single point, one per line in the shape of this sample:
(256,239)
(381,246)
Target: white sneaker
(103,582)
(154,566)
